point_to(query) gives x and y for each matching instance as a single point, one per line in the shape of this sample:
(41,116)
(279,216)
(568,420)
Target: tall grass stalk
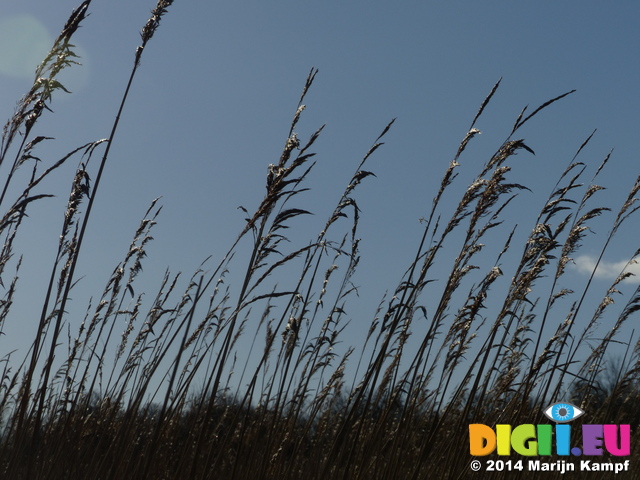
(216,379)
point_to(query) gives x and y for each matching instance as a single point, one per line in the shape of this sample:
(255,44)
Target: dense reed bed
(162,389)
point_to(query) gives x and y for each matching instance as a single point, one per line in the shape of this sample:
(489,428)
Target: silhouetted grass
(433,360)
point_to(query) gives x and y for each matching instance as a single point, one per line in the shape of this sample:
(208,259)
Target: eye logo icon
(563,412)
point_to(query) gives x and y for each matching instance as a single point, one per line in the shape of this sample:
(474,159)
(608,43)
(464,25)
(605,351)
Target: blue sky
(211,106)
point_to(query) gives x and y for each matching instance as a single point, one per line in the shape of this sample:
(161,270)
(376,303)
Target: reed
(174,396)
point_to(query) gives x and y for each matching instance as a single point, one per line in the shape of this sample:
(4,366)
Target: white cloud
(607,270)
(24,41)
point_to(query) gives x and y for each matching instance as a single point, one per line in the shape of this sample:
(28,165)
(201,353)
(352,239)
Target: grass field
(169,405)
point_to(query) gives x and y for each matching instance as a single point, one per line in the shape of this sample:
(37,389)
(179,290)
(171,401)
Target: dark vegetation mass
(176,397)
